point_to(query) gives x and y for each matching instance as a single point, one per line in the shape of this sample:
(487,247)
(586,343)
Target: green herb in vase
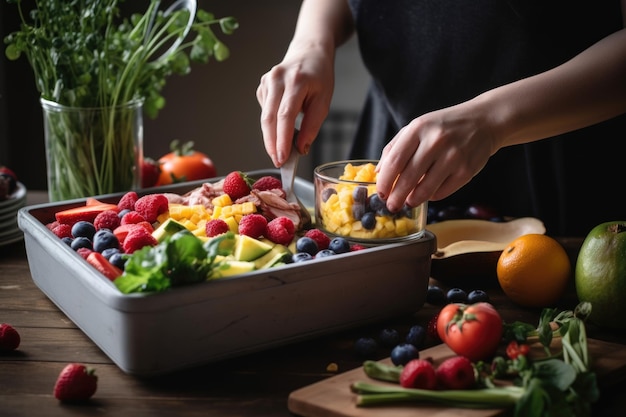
(97,72)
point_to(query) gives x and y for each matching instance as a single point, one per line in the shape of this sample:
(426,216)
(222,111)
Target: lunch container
(347,205)
(187,326)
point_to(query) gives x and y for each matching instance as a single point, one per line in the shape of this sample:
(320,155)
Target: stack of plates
(9,231)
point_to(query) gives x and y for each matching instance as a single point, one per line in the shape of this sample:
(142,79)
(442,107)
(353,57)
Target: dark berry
(369,220)
(359,195)
(123,213)
(339,245)
(451,213)
(306,244)
(81,242)
(366,347)
(324,253)
(104,239)
(416,336)
(477,296)
(83,229)
(358,210)
(435,295)
(403,353)
(389,337)
(67,241)
(376,203)
(107,253)
(301,257)
(456,295)
(118,260)
(327,192)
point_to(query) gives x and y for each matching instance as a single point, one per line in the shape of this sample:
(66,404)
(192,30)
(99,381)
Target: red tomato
(473,331)
(515,349)
(184,164)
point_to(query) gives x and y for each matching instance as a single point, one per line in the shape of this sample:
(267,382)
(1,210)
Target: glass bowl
(347,205)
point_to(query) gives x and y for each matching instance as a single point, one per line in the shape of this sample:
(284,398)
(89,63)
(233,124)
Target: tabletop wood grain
(254,385)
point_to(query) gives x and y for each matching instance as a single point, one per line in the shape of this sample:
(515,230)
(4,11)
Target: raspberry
(84,252)
(151,205)
(236,185)
(132,217)
(280,230)
(455,373)
(62,230)
(267,183)
(418,373)
(253,225)
(50,226)
(137,238)
(128,200)
(319,237)
(108,219)
(356,247)
(9,337)
(216,227)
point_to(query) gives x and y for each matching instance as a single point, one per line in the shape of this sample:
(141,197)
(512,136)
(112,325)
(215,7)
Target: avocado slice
(249,249)
(271,257)
(167,228)
(230,267)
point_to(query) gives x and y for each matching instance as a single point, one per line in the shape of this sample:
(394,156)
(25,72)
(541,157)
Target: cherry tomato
(184,164)
(515,349)
(473,331)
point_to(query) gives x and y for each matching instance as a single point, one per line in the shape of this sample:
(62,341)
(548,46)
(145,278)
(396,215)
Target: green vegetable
(178,260)
(560,384)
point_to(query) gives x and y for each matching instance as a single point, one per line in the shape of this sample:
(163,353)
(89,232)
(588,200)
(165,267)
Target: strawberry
(418,373)
(266,183)
(431,328)
(456,372)
(216,227)
(127,202)
(76,382)
(236,185)
(122,231)
(319,237)
(280,230)
(88,212)
(253,225)
(9,337)
(106,268)
(151,205)
(150,172)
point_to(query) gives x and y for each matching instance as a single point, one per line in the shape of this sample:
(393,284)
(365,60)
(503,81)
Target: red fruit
(266,183)
(253,225)
(62,230)
(150,172)
(280,230)
(132,217)
(76,382)
(84,252)
(108,219)
(319,237)
(151,205)
(356,247)
(418,373)
(122,231)
(127,202)
(137,238)
(216,227)
(456,372)
(431,328)
(86,213)
(9,337)
(236,185)
(8,171)
(106,268)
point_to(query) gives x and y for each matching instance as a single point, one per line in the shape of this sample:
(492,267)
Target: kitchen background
(215,105)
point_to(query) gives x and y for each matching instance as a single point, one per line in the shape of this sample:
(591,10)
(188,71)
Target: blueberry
(416,336)
(67,241)
(477,296)
(81,242)
(358,210)
(435,295)
(105,239)
(389,337)
(306,244)
(324,253)
(339,245)
(107,253)
(118,260)
(369,220)
(456,295)
(366,347)
(403,353)
(123,213)
(359,195)
(83,229)
(301,257)
(376,203)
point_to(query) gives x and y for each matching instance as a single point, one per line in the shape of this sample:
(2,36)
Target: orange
(534,270)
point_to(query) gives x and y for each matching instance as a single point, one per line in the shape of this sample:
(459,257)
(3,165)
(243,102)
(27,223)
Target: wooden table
(257,384)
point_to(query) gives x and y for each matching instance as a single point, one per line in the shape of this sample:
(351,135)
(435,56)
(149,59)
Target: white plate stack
(9,230)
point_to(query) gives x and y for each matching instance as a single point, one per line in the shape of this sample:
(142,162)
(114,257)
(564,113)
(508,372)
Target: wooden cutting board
(332,397)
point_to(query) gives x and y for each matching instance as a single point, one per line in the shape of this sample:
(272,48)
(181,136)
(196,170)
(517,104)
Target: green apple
(600,274)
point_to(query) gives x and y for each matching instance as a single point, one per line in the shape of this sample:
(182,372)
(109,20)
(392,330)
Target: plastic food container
(233,316)
(347,205)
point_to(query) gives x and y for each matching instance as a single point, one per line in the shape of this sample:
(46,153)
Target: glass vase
(92,151)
